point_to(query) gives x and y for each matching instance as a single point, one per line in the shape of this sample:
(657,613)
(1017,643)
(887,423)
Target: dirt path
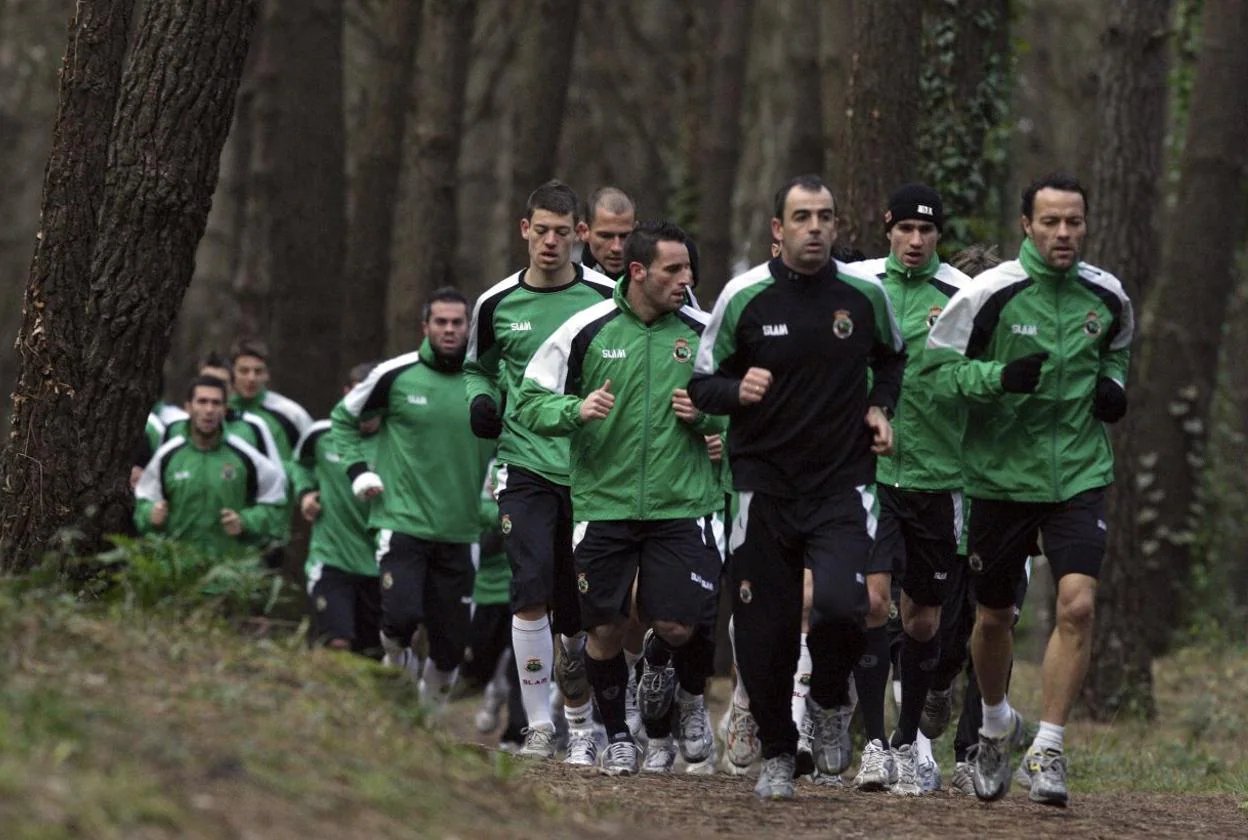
(681,807)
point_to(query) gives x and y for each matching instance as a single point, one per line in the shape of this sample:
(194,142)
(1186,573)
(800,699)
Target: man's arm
(548,403)
(715,387)
(946,364)
(264,518)
(481,359)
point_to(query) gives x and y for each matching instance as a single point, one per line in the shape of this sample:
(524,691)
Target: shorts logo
(1092,325)
(701,581)
(611,693)
(321,604)
(868,660)
(533,665)
(940,576)
(804,679)
(682,352)
(842,324)
(893,612)
(775,330)
(745,592)
(1100,524)
(504,524)
(582,583)
(227,472)
(932,315)
(975,562)
(387,580)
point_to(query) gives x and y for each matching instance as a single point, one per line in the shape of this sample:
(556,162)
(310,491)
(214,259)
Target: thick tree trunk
(543,74)
(801,65)
(90,380)
(720,141)
(294,246)
(1184,319)
(40,485)
(882,117)
(836,46)
(425,253)
(1132,113)
(373,191)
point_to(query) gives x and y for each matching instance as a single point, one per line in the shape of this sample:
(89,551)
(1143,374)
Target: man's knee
(605,640)
(674,633)
(1076,602)
(879,597)
(920,622)
(993,620)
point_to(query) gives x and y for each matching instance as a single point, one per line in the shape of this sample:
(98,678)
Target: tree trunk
(801,64)
(836,45)
(1130,153)
(373,191)
(543,74)
(882,117)
(966,88)
(720,142)
(296,221)
(425,253)
(1184,319)
(40,489)
(149,186)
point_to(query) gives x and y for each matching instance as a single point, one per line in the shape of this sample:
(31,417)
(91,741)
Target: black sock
(918,662)
(609,679)
(871,679)
(694,662)
(834,648)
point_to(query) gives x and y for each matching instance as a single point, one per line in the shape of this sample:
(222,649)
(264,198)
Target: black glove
(1110,402)
(1022,376)
(484,419)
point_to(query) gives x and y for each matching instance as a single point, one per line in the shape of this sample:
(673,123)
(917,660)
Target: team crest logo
(804,679)
(387,581)
(533,665)
(582,583)
(745,592)
(932,315)
(227,472)
(504,524)
(1092,325)
(682,352)
(321,604)
(842,324)
(975,562)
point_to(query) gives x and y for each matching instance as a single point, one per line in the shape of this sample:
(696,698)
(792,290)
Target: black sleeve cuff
(357,469)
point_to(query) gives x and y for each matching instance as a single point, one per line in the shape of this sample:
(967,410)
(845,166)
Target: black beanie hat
(914,201)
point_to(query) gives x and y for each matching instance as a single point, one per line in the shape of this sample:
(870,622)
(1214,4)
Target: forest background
(188,171)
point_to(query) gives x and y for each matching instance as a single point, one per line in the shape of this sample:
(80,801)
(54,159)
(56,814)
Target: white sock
(535,651)
(739,696)
(997,719)
(436,684)
(923,747)
(897,693)
(580,718)
(801,684)
(631,659)
(1048,738)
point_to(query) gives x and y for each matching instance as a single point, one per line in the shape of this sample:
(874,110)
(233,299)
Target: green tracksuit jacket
(927,432)
(430,463)
(509,323)
(198,483)
(640,462)
(340,535)
(1045,446)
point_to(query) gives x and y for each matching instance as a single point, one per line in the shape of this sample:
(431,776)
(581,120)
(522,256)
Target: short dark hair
(810,182)
(1052,181)
(212,359)
(360,372)
(555,197)
(643,243)
(612,199)
(445,294)
(207,382)
(975,259)
(250,346)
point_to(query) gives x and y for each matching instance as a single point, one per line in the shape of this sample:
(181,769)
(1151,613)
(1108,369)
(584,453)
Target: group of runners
(554,488)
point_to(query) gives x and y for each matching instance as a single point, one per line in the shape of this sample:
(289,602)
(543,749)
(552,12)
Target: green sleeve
(1114,365)
(481,375)
(262,522)
(956,377)
(546,412)
(143,517)
(345,428)
(711,424)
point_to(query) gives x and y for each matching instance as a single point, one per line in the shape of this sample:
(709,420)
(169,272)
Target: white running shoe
(928,771)
(832,746)
(962,782)
(492,701)
(621,759)
(539,741)
(582,748)
(877,770)
(632,711)
(741,745)
(775,780)
(696,741)
(907,783)
(660,755)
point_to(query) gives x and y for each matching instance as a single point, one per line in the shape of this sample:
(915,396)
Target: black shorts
(674,561)
(345,606)
(1003,535)
(916,541)
(535,516)
(426,583)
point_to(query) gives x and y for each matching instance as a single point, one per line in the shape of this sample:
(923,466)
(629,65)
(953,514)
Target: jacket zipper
(645,436)
(905,312)
(1057,403)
